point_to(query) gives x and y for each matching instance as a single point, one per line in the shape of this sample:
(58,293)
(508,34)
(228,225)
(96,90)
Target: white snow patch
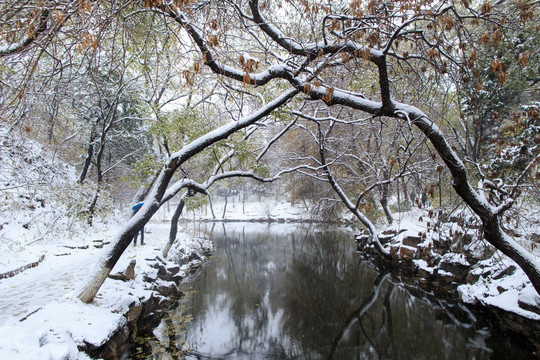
(529,296)
(264,209)
(502,292)
(422,264)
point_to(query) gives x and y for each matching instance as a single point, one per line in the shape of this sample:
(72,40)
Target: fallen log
(22,268)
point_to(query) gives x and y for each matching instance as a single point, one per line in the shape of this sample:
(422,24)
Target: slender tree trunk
(384,204)
(174,225)
(440,190)
(384,198)
(374,238)
(244,200)
(357,315)
(225,206)
(406,198)
(89,153)
(211,207)
(87,161)
(93,206)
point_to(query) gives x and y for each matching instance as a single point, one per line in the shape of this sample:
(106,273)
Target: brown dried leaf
(524,58)
(307,88)
(485,8)
(497,37)
(502,78)
(327,98)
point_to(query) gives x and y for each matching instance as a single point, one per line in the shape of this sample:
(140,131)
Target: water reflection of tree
(356,317)
(318,301)
(343,308)
(238,283)
(326,283)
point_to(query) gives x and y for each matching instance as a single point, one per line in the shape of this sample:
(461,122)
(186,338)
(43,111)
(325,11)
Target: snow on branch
(38,29)
(275,34)
(228,129)
(403,173)
(244,75)
(161,192)
(274,139)
(520,178)
(345,199)
(311,50)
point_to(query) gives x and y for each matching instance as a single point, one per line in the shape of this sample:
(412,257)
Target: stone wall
(144,316)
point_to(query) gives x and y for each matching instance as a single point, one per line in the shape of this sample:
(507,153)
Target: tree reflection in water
(302,292)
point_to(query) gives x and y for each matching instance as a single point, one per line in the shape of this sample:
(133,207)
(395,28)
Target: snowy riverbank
(41,319)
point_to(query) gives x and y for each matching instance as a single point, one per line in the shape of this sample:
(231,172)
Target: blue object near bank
(137,206)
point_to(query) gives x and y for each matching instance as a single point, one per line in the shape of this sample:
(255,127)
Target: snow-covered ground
(41,318)
(42,222)
(39,315)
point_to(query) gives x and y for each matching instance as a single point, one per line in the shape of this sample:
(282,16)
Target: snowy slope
(40,207)
(40,202)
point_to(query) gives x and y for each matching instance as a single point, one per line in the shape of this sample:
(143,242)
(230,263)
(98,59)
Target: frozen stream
(301,292)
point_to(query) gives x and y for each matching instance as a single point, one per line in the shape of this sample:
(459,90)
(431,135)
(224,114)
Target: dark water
(302,292)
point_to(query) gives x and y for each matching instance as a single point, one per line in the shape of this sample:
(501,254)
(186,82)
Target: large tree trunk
(144,190)
(123,239)
(494,234)
(159,195)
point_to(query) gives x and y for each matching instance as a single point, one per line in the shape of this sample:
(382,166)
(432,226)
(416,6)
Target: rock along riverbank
(491,288)
(161,277)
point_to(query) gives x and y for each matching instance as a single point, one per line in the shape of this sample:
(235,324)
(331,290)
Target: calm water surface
(302,292)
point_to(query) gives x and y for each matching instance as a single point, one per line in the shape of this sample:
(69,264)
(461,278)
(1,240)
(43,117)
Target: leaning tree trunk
(489,215)
(144,190)
(374,237)
(103,268)
(159,195)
